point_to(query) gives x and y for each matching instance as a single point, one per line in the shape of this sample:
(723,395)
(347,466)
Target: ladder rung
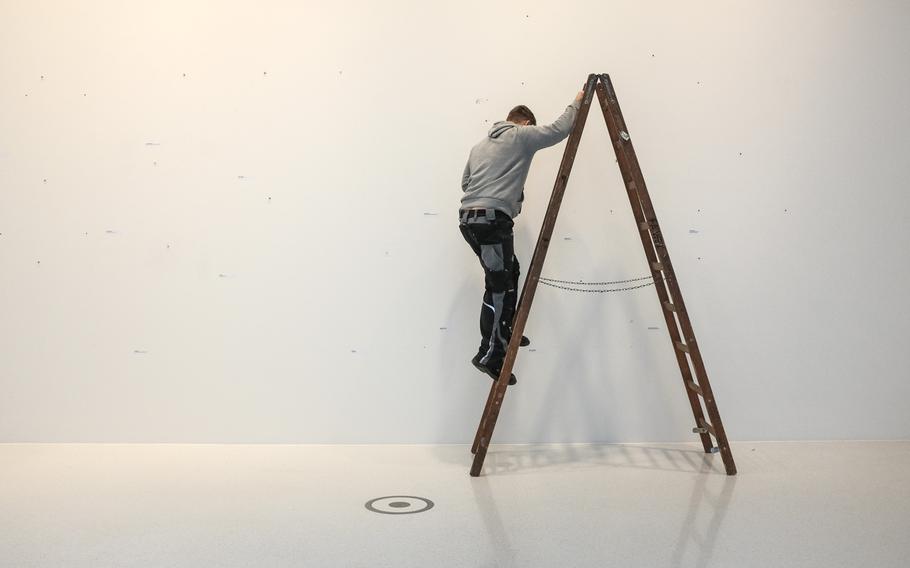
(644,226)
(705,427)
(657,266)
(682,347)
(695,388)
(670,307)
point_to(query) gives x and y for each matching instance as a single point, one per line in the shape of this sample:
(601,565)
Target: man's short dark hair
(521,112)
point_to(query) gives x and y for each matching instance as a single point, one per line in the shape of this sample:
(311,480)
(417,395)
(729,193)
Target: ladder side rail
(483,417)
(491,395)
(488,422)
(664,256)
(651,255)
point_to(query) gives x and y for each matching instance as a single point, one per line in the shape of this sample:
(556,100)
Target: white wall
(236,221)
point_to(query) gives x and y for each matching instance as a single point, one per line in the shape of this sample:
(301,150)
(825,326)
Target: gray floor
(792,504)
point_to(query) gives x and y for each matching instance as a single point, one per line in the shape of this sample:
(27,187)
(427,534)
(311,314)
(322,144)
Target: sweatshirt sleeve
(466,175)
(537,137)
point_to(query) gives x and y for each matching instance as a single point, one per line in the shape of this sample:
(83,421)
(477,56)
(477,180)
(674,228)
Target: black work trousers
(489,233)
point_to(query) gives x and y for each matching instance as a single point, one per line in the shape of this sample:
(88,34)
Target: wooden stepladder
(688,356)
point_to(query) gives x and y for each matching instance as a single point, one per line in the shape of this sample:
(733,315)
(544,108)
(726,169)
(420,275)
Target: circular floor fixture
(399,505)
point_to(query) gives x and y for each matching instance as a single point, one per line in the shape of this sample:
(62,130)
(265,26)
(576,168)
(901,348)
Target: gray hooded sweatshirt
(498,165)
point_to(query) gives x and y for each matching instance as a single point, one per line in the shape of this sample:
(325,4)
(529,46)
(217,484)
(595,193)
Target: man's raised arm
(537,137)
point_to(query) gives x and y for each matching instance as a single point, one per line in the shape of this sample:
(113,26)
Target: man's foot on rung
(492,373)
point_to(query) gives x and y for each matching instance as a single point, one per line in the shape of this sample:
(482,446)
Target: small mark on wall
(653,327)
(353,351)
(430,213)
(153,143)
(567,238)
(223,275)
(241,177)
(110,232)
(443,328)
(480,101)
(693,232)
(139,351)
(532,350)
(154,163)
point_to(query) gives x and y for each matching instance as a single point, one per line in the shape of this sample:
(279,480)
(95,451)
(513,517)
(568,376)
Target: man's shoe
(492,373)
(524,340)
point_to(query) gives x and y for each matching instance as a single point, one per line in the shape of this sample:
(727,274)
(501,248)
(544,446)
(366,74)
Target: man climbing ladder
(493,185)
(682,337)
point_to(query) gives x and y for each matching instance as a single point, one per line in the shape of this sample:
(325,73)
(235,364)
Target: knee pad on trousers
(500,280)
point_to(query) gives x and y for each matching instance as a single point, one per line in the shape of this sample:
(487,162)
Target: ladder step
(670,307)
(682,347)
(695,388)
(644,226)
(705,427)
(657,265)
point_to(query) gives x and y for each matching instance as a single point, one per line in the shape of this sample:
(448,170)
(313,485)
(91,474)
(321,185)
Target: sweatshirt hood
(499,127)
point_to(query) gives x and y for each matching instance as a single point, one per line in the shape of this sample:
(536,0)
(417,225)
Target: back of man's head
(521,113)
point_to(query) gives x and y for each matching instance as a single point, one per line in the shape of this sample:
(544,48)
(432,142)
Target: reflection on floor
(792,504)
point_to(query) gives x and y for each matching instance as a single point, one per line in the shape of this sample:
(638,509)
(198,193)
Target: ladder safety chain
(582,283)
(552,284)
